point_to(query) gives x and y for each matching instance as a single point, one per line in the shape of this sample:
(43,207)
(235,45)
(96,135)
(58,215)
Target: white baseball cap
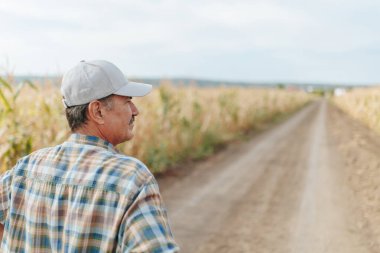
(91,80)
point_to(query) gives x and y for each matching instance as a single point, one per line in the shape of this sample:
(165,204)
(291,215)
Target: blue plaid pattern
(82,196)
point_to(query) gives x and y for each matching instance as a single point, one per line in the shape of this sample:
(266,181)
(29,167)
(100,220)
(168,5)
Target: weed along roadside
(175,123)
(363,105)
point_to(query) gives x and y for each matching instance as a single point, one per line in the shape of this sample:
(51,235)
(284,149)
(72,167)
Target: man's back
(82,196)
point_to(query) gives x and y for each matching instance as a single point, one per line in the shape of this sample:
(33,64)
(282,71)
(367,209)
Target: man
(82,195)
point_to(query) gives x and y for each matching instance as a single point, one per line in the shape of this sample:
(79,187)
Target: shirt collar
(91,140)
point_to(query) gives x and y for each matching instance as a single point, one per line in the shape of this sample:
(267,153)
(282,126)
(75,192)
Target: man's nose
(135,111)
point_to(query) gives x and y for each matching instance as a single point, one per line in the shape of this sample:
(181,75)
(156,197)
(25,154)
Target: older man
(83,195)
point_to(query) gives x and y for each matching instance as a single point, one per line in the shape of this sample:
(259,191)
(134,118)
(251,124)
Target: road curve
(282,191)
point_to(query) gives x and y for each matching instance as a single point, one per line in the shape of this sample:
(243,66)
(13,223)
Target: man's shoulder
(114,170)
(127,160)
(42,152)
(108,157)
(126,168)
(95,165)
(120,173)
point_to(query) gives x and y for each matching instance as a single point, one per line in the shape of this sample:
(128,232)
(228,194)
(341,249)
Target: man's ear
(96,112)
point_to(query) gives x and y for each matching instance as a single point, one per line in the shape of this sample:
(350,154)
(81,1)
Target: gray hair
(77,115)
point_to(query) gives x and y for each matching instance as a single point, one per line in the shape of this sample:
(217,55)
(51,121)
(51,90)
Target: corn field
(174,124)
(363,105)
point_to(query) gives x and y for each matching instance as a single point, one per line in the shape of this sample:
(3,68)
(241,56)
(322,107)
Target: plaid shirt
(82,196)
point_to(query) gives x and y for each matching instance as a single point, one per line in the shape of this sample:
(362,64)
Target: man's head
(98,100)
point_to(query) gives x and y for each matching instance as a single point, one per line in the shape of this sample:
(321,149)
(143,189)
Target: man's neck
(91,131)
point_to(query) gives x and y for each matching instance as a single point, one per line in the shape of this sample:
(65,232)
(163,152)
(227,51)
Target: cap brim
(132,89)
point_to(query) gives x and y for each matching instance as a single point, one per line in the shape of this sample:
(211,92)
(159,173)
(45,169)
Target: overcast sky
(281,40)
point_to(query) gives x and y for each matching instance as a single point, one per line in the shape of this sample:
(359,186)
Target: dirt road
(285,190)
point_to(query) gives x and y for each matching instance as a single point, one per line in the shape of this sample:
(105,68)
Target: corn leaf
(6,84)
(32,85)
(4,101)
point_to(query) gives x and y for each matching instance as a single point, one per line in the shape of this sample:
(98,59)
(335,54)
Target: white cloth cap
(91,80)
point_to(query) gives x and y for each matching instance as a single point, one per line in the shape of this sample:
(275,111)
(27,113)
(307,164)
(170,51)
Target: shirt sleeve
(5,194)
(145,226)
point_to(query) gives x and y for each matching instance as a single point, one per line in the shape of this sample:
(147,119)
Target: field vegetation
(175,123)
(363,105)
